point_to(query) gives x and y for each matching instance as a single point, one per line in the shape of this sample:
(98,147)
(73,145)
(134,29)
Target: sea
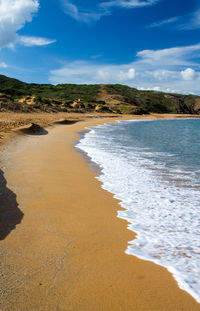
(153,168)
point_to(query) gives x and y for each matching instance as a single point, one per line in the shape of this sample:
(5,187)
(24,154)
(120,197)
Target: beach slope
(66,249)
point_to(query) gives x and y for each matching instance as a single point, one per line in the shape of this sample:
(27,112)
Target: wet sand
(63,248)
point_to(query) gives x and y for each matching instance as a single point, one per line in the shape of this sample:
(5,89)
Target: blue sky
(148,44)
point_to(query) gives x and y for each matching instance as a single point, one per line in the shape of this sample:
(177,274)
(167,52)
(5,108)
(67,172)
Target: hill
(20,96)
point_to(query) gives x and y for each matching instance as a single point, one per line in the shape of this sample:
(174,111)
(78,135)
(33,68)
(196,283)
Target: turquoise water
(153,167)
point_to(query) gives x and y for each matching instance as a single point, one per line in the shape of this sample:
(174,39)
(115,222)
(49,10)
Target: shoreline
(76,261)
(98,170)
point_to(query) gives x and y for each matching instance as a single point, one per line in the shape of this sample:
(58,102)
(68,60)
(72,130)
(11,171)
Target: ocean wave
(160,197)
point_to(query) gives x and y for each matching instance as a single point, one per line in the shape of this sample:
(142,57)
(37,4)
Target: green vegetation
(155,102)
(16,88)
(19,96)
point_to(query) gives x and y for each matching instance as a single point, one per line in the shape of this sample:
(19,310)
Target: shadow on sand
(66,122)
(10,214)
(34,129)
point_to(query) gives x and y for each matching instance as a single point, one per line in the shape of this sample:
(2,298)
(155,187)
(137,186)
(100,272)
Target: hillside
(19,96)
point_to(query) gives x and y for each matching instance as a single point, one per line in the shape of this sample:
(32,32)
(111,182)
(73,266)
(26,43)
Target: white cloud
(176,56)
(34,41)
(193,21)
(14,14)
(161,74)
(186,22)
(196,19)
(96,56)
(129,4)
(164,22)
(103,9)
(87,17)
(188,74)
(3,65)
(154,88)
(161,70)
(127,75)
(89,72)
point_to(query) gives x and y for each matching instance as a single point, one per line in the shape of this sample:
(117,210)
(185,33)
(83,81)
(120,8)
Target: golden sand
(68,252)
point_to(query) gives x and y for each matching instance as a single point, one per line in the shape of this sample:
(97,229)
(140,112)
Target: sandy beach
(62,246)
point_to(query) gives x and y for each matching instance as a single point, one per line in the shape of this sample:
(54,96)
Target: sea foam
(160,200)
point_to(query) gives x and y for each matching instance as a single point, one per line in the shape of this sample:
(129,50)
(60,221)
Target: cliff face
(19,96)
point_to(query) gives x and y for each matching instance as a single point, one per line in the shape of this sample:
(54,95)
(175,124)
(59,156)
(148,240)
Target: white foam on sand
(161,205)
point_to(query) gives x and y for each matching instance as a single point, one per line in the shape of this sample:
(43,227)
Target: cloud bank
(170,70)
(14,14)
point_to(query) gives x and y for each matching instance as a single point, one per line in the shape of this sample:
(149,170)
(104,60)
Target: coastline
(75,261)
(102,170)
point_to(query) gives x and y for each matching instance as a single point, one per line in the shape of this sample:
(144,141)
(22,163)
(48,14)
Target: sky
(147,44)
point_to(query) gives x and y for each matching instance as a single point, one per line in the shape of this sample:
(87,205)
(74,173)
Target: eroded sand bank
(67,250)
